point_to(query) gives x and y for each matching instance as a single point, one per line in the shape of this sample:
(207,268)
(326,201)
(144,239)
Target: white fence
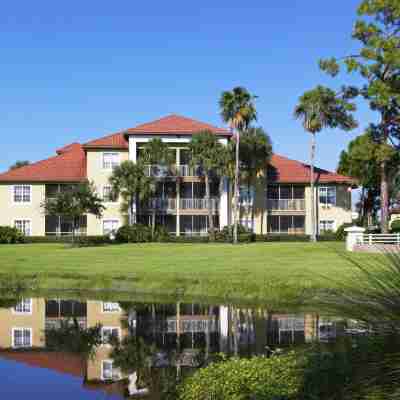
(380,238)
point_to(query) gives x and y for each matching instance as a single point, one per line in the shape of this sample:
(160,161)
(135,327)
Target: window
(111,307)
(327,225)
(107,333)
(108,195)
(246,196)
(110,160)
(110,226)
(23,307)
(22,194)
(287,224)
(21,337)
(23,225)
(247,223)
(327,195)
(108,371)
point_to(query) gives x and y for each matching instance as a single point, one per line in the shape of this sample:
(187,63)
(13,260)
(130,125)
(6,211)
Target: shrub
(257,378)
(395,226)
(78,240)
(10,235)
(282,238)
(226,234)
(136,233)
(340,233)
(161,234)
(327,236)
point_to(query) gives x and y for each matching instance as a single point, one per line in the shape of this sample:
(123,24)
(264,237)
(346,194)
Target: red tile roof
(68,166)
(285,170)
(113,141)
(176,124)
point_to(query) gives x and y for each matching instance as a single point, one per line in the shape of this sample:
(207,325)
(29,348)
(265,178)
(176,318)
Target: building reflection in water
(183,336)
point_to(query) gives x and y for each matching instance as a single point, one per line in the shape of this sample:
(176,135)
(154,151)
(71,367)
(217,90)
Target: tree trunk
(73,230)
(252,201)
(236,189)
(384,198)
(209,207)
(312,185)
(153,224)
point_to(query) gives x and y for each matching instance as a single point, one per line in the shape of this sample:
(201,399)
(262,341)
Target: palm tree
(318,109)
(157,152)
(209,154)
(255,153)
(130,181)
(238,110)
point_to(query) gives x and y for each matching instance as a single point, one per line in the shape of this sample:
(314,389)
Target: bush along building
(278,203)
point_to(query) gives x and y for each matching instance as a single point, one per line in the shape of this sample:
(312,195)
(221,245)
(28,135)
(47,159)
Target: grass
(277,273)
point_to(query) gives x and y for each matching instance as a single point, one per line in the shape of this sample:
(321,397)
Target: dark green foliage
(340,233)
(136,233)
(70,337)
(161,234)
(226,234)
(19,164)
(282,238)
(81,241)
(327,236)
(257,378)
(395,226)
(9,235)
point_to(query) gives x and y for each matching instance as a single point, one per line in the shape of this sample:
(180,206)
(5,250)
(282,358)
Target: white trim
(15,312)
(24,219)
(21,203)
(19,328)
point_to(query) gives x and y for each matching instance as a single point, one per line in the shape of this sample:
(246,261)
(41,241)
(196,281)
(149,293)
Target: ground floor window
(286,224)
(23,225)
(21,337)
(23,307)
(327,225)
(196,225)
(110,226)
(247,223)
(108,371)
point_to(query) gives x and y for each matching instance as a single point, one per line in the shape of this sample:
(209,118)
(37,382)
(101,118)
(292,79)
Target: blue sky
(78,70)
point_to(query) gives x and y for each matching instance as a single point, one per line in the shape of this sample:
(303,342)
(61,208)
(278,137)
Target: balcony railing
(160,171)
(286,204)
(158,203)
(198,204)
(187,170)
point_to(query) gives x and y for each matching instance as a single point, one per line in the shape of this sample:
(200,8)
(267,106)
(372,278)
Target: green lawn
(270,272)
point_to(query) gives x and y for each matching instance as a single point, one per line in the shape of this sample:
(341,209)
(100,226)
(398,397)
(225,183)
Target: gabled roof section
(175,124)
(284,170)
(69,165)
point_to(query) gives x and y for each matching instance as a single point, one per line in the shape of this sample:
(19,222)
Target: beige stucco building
(281,196)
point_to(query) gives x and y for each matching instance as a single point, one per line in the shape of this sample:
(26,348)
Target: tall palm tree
(318,109)
(209,154)
(238,110)
(130,181)
(255,153)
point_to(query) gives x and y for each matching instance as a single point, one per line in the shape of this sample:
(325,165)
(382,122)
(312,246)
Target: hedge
(82,241)
(9,235)
(257,378)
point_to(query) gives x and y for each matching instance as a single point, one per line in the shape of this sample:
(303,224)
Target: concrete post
(354,237)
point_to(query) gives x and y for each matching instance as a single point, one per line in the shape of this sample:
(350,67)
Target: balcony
(286,204)
(187,170)
(198,204)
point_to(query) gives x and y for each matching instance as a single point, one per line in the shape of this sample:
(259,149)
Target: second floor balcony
(165,171)
(190,204)
(286,204)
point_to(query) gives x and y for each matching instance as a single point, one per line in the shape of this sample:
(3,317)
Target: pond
(94,349)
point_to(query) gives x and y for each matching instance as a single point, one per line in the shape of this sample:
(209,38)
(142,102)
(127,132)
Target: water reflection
(127,348)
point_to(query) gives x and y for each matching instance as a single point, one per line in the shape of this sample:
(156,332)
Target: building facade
(278,203)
